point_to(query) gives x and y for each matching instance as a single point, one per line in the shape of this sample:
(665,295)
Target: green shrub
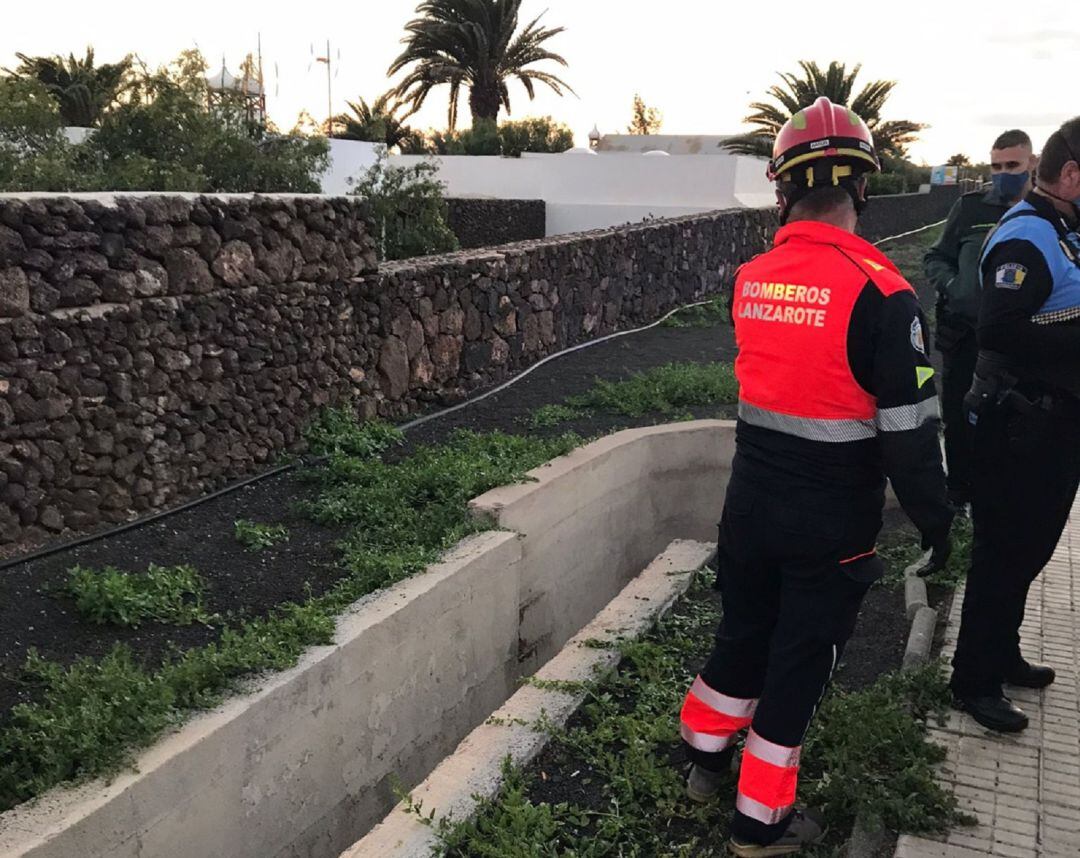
(536,134)
(256,537)
(164,594)
(511,139)
(407,206)
(162,138)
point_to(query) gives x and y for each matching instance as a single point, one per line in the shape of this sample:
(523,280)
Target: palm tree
(837,84)
(473,43)
(958,160)
(376,123)
(84,91)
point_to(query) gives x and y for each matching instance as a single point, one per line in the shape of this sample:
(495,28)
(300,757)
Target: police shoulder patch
(918,342)
(1010,275)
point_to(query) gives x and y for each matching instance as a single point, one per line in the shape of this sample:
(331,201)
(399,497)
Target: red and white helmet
(822,144)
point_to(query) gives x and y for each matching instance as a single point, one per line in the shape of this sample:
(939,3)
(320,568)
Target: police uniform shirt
(1030,309)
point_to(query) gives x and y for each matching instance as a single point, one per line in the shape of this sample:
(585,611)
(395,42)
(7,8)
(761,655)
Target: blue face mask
(1010,185)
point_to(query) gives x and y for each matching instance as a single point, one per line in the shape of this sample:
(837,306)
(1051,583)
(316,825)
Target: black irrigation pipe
(89,538)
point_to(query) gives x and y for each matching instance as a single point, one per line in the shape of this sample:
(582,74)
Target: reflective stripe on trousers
(711,721)
(767,780)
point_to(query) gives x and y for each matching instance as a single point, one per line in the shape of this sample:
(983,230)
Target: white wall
(591,191)
(348,158)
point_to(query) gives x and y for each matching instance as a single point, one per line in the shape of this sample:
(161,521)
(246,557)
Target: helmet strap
(817,176)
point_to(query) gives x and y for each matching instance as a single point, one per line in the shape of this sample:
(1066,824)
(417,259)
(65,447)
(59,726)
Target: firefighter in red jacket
(836,393)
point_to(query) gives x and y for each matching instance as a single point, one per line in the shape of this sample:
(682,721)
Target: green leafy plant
(336,430)
(667,390)
(408,209)
(88,718)
(163,135)
(84,90)
(256,537)
(664,390)
(402,514)
(552,415)
(643,119)
(535,134)
(163,594)
(802,88)
(380,122)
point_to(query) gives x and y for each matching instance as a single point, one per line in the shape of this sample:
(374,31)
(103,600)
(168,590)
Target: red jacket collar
(824,233)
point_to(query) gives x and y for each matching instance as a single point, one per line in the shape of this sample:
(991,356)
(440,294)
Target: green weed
(164,594)
(667,389)
(401,515)
(256,537)
(90,717)
(552,415)
(337,430)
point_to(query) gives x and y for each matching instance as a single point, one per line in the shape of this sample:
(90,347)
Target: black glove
(951,331)
(940,551)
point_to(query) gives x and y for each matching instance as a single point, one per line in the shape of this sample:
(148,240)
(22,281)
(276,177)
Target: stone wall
(154,347)
(486,222)
(897,213)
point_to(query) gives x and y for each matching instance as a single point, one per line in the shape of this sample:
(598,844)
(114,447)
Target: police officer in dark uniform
(952,266)
(1025,408)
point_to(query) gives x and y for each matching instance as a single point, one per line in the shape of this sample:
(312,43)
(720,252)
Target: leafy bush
(536,134)
(255,537)
(163,138)
(408,208)
(165,594)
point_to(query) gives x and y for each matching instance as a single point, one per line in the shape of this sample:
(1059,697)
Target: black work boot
(703,784)
(805,828)
(993,712)
(1026,675)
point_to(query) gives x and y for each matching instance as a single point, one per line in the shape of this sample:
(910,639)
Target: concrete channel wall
(305,765)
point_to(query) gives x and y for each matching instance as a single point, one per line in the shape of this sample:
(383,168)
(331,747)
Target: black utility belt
(1006,393)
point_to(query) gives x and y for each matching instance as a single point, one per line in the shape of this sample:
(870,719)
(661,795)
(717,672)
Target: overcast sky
(968,70)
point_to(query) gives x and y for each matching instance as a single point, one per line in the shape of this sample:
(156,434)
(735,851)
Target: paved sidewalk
(1024,789)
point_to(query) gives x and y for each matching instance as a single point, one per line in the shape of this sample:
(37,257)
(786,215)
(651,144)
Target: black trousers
(958,357)
(1026,471)
(790,605)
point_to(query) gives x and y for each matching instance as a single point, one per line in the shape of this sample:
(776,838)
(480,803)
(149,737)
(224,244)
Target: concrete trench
(305,764)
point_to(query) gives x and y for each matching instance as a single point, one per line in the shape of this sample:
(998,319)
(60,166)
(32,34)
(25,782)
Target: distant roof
(673,144)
